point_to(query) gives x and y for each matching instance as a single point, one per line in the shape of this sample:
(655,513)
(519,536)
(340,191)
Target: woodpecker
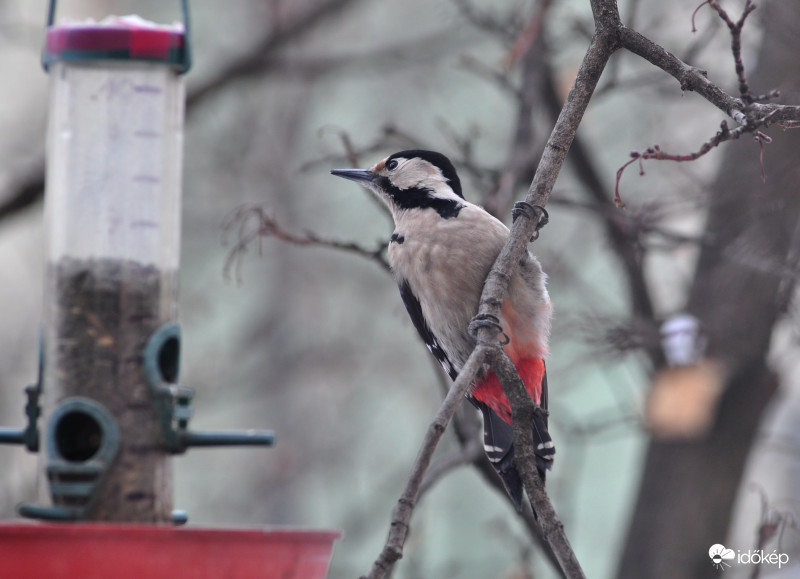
(441,251)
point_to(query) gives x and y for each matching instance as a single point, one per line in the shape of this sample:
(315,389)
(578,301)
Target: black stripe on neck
(420,198)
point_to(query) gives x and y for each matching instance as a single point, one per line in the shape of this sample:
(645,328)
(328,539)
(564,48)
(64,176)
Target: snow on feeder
(109,388)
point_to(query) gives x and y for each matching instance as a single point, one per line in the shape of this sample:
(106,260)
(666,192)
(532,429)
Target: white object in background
(682,340)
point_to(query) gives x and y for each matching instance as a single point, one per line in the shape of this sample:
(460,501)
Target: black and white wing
(414,310)
(498,435)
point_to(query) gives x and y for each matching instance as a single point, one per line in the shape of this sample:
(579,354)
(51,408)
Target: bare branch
(507,29)
(528,36)
(522,153)
(401,516)
(259,59)
(696,80)
(558,144)
(496,286)
(388,136)
(743,112)
(724,134)
(523,412)
(251,223)
(29,189)
(736,44)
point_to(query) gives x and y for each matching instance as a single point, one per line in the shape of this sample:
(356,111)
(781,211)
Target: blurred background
(314,342)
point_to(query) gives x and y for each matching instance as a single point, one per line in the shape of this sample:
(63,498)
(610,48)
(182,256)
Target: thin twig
(694,14)
(736,45)
(483,20)
(252,222)
(528,36)
(724,134)
(388,137)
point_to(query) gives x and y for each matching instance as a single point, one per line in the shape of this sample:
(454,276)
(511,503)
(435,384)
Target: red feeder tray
(100,550)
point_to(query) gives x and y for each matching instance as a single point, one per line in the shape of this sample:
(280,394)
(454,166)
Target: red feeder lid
(117,38)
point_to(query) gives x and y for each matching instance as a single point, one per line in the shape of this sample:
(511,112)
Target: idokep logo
(721,555)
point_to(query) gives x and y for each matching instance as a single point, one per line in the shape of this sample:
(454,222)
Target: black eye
(392,165)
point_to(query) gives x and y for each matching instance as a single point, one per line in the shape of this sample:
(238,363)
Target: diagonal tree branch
(597,55)
(260,57)
(747,111)
(695,80)
(28,190)
(523,412)
(401,516)
(495,290)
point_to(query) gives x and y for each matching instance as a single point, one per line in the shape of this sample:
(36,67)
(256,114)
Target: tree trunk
(740,288)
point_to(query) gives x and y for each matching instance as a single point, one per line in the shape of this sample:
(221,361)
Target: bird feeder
(683,400)
(112,222)
(109,389)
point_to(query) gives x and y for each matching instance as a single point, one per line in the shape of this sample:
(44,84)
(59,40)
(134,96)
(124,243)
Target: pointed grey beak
(357,175)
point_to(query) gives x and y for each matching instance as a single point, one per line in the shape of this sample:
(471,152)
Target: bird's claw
(487,321)
(531,211)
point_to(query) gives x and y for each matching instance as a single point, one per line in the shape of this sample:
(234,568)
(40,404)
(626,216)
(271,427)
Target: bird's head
(412,179)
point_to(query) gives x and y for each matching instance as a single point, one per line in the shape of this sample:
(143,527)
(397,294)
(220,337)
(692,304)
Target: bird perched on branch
(441,251)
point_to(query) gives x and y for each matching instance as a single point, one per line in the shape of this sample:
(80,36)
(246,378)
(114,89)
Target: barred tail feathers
(489,397)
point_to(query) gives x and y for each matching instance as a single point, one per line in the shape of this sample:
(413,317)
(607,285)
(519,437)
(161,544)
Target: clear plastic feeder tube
(112,220)
(114,171)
